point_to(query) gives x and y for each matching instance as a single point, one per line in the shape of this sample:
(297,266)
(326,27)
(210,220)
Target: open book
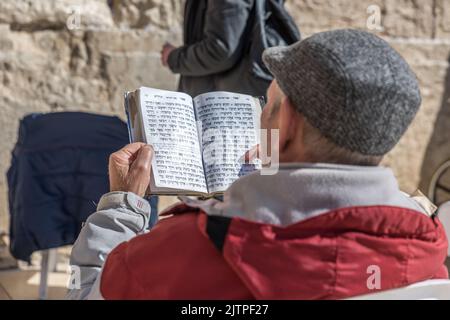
(199,142)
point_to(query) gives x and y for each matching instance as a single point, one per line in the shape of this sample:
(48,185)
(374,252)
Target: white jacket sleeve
(120,216)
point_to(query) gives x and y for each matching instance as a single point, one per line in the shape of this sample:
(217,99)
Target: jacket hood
(301,191)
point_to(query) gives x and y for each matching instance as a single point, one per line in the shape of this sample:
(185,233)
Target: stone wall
(82,55)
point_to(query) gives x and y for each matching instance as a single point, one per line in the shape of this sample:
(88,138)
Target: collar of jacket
(301,191)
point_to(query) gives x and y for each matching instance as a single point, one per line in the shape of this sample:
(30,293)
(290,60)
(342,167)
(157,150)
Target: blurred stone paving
(20,281)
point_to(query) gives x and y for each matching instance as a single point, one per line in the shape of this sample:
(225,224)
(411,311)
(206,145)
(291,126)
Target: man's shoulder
(179,230)
(171,261)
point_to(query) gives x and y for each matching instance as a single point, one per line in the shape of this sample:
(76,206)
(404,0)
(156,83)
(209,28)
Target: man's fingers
(126,155)
(130,168)
(133,148)
(140,170)
(143,161)
(251,154)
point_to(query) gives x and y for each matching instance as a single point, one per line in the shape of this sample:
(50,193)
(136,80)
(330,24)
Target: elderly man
(330,224)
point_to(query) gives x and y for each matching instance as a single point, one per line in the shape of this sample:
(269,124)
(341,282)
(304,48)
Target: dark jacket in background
(58,173)
(217,53)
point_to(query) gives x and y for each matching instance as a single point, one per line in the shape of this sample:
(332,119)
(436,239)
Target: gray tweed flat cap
(351,85)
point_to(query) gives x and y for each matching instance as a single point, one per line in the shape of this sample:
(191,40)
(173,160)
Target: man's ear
(288,124)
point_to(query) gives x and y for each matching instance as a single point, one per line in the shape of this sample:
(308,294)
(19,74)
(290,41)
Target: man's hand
(251,154)
(130,168)
(257,152)
(165,52)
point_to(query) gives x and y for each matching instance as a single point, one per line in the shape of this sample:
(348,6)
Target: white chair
(444,216)
(48,264)
(426,290)
(436,182)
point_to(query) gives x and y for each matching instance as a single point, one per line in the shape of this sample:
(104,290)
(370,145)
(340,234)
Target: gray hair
(320,149)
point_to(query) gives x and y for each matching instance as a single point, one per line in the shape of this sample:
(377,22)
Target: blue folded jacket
(58,173)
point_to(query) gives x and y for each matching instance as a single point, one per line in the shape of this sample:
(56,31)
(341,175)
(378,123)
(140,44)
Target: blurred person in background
(223,45)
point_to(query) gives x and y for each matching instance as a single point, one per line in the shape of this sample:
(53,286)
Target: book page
(228,127)
(170,127)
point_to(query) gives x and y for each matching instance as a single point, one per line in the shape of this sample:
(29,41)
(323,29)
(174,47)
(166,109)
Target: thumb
(251,154)
(140,171)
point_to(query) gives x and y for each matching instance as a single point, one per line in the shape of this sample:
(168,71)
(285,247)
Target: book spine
(130,132)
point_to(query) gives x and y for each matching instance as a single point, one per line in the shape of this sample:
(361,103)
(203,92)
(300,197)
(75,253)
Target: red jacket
(195,256)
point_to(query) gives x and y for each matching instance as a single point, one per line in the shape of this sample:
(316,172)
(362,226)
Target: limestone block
(139,14)
(129,71)
(408,18)
(320,15)
(398,18)
(443,19)
(31,15)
